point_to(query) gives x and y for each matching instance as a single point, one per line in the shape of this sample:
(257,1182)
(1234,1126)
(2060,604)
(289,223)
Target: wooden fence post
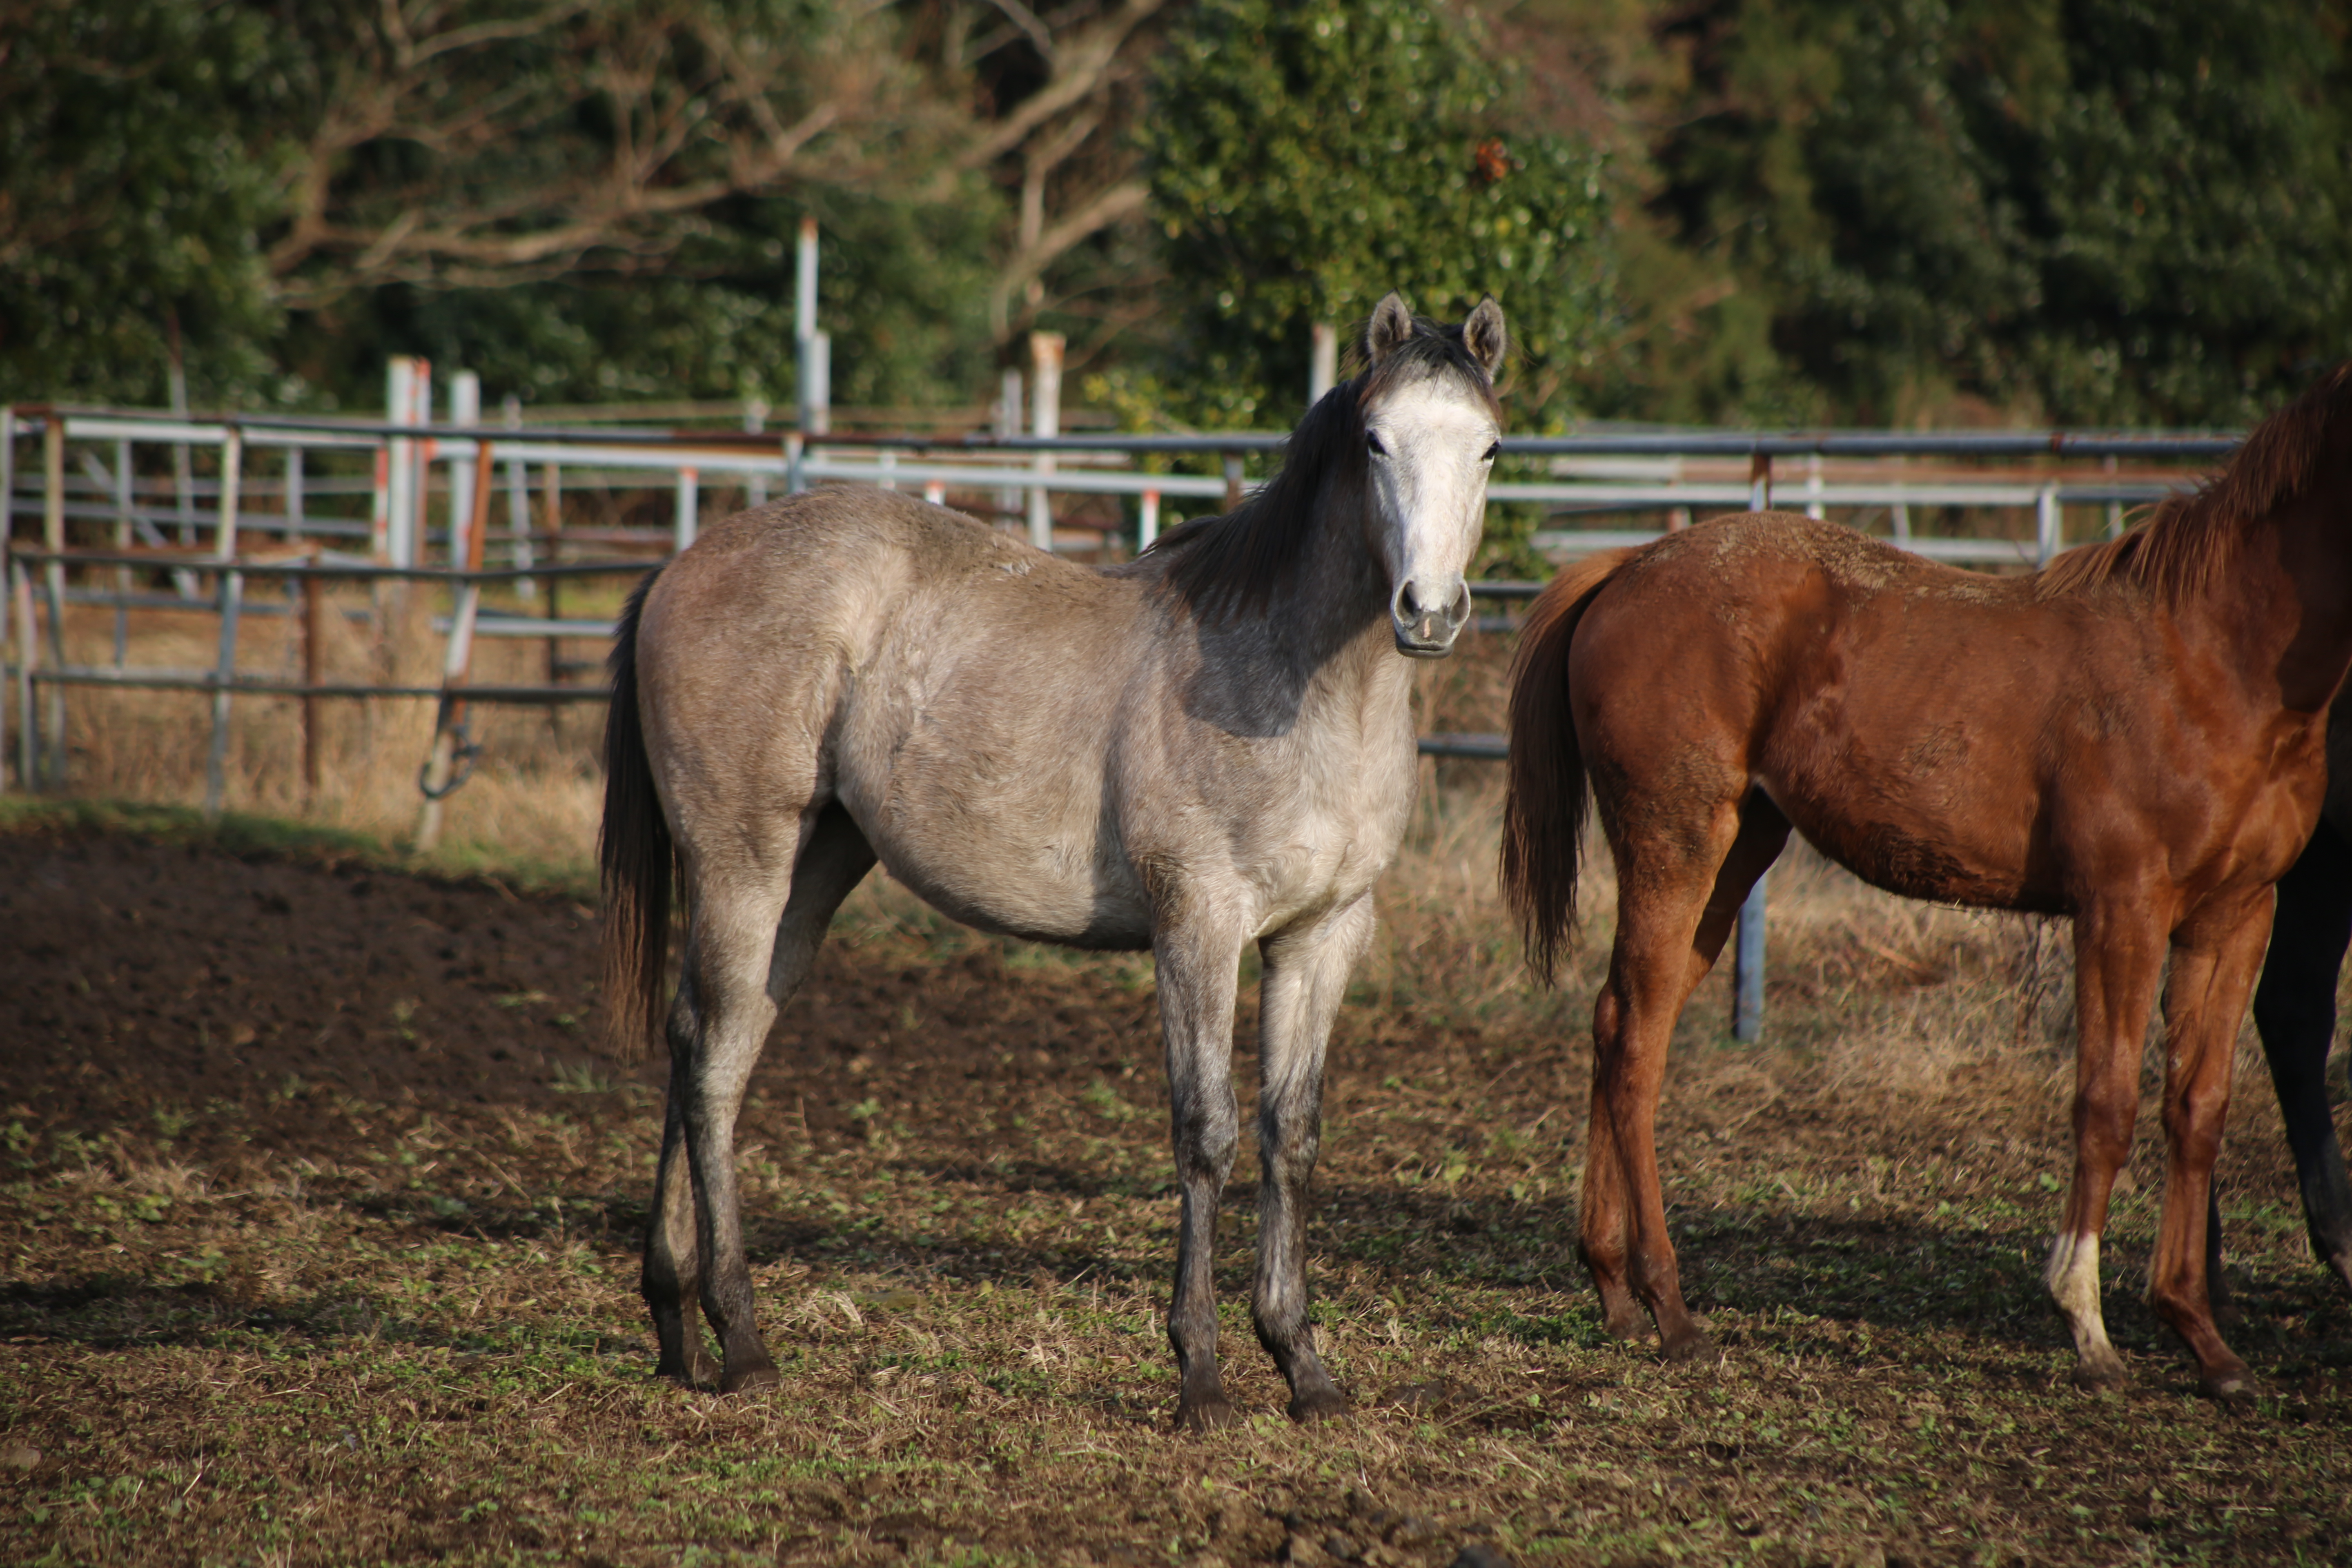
(452,746)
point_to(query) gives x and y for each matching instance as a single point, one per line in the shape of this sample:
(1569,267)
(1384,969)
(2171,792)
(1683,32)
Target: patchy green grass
(306,1325)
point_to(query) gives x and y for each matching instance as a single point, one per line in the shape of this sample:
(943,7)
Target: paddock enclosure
(321,1211)
(323,1216)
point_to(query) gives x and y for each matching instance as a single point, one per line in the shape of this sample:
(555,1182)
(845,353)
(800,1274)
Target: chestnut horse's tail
(635,859)
(1543,816)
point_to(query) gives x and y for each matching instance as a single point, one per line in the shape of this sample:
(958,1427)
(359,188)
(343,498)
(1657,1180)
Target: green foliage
(902,288)
(2093,211)
(137,170)
(493,186)
(1307,158)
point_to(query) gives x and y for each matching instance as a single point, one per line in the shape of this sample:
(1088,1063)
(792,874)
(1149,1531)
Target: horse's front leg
(1306,975)
(1196,960)
(2118,954)
(2294,1008)
(2214,960)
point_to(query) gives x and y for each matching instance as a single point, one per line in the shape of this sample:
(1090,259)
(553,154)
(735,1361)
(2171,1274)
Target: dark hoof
(2101,1377)
(1312,1405)
(1209,1412)
(1688,1347)
(701,1373)
(2233,1386)
(1626,1322)
(750,1379)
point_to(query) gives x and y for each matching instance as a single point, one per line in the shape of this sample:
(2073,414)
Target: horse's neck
(2293,613)
(1337,623)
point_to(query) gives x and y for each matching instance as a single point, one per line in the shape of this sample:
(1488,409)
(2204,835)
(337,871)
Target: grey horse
(1207,747)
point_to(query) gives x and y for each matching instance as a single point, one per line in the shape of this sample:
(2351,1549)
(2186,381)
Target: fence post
(380,504)
(122,541)
(314,664)
(232,592)
(2046,525)
(1045,420)
(1232,481)
(232,480)
(755,422)
(1759,482)
(1813,508)
(1747,966)
(183,477)
(518,502)
(551,480)
(1146,525)
(20,593)
(53,579)
(687,517)
(465,408)
(2115,508)
(452,743)
(1322,361)
(399,460)
(7,585)
(7,607)
(1008,423)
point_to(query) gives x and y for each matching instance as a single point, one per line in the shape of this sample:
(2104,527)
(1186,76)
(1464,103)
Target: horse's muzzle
(1426,622)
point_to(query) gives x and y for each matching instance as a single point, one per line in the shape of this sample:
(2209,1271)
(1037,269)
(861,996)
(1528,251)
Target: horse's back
(958,692)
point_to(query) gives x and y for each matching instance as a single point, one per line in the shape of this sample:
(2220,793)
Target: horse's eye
(1373,444)
(1491,453)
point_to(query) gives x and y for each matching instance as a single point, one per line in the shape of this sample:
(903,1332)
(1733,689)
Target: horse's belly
(1926,861)
(1038,867)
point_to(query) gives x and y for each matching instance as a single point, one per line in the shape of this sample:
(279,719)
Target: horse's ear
(1391,325)
(1484,336)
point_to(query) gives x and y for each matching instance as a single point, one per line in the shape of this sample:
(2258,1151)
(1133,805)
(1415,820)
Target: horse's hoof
(701,1373)
(1689,1347)
(2100,1377)
(2233,1386)
(750,1379)
(1209,1412)
(1325,1402)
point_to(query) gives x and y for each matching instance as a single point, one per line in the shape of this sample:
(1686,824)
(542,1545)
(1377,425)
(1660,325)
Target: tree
(137,172)
(1307,158)
(2081,210)
(589,196)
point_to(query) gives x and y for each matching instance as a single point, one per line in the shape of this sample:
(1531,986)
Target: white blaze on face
(1430,445)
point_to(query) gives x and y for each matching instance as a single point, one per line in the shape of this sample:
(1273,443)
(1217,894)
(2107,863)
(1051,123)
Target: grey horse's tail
(1543,814)
(637,861)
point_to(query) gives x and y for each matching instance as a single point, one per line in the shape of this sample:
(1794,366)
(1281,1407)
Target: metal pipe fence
(353,501)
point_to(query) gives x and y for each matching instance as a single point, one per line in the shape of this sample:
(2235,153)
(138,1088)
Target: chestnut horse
(2133,737)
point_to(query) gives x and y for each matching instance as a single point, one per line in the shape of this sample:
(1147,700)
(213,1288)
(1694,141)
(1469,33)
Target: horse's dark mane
(1237,563)
(2188,540)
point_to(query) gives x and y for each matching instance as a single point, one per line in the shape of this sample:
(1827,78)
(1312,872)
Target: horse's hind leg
(750,944)
(1675,911)
(1306,975)
(2294,1008)
(672,1273)
(2213,967)
(1196,955)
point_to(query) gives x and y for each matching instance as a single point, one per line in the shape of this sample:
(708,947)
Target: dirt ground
(319,1204)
